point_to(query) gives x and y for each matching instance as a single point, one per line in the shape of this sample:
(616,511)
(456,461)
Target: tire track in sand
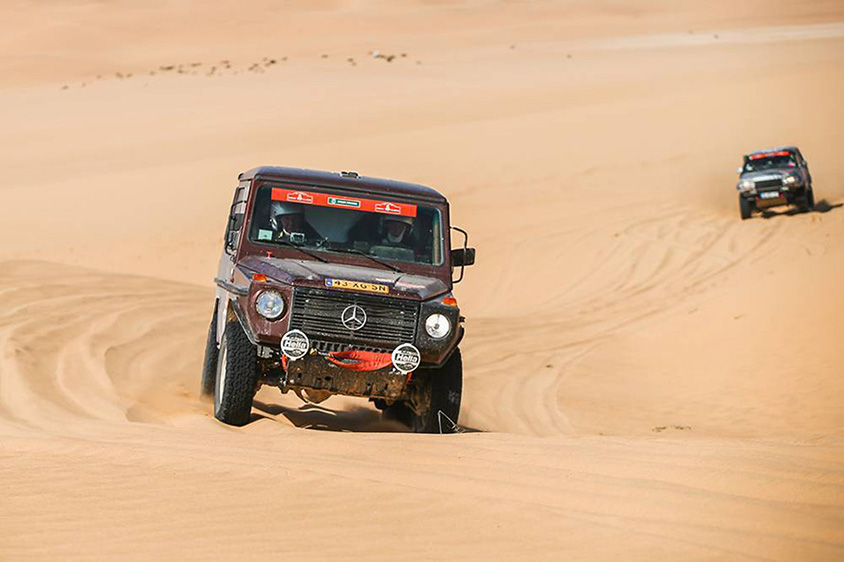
(115,348)
(78,345)
(653,265)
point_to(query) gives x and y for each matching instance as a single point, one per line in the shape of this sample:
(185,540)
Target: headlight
(790,180)
(437,326)
(747,185)
(270,305)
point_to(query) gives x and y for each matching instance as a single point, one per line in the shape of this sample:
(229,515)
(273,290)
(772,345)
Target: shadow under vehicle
(334,283)
(774,177)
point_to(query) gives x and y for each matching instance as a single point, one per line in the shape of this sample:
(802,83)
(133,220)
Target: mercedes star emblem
(353,317)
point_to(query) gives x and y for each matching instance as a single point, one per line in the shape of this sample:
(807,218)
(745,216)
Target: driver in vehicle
(287,221)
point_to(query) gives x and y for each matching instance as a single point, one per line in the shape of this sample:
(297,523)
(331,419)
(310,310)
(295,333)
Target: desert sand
(647,376)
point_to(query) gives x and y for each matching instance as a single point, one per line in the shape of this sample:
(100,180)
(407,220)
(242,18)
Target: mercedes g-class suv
(333,283)
(773,177)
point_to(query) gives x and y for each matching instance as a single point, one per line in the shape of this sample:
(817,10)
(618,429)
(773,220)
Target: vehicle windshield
(324,222)
(755,164)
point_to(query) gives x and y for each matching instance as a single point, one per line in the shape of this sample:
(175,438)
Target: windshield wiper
(304,251)
(364,254)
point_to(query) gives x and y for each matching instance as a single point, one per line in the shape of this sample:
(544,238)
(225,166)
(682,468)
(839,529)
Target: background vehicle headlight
(437,326)
(746,185)
(790,180)
(270,305)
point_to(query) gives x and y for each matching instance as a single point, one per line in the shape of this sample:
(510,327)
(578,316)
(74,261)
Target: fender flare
(235,312)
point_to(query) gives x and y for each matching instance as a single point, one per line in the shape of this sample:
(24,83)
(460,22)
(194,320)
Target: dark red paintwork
(282,268)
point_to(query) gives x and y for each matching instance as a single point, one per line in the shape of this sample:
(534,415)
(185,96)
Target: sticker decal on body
(357,286)
(298,197)
(343,202)
(389,208)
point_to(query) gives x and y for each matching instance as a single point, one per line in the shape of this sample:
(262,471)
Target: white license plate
(769,195)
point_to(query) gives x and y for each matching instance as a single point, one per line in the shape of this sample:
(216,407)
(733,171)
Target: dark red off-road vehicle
(332,283)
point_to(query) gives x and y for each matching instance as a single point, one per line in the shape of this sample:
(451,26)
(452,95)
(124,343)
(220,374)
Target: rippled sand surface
(647,376)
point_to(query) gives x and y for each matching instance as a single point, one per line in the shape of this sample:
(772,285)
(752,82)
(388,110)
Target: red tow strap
(356,360)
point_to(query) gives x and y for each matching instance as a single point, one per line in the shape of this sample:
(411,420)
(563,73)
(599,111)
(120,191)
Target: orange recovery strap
(356,360)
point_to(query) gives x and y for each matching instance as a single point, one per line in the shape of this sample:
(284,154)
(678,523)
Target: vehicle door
(231,242)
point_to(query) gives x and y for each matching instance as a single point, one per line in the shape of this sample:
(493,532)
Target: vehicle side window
(438,235)
(237,212)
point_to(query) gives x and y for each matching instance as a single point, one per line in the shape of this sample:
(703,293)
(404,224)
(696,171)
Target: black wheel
(745,207)
(399,412)
(806,201)
(209,365)
(237,376)
(437,395)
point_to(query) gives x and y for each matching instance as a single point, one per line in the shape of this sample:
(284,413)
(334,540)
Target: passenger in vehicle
(396,231)
(396,241)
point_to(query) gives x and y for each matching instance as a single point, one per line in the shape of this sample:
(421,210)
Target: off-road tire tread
(400,412)
(439,383)
(209,365)
(745,208)
(446,379)
(241,377)
(806,201)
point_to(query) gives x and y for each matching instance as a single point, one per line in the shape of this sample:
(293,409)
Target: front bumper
(773,197)
(315,372)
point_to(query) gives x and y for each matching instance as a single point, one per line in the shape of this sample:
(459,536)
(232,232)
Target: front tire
(237,376)
(745,207)
(806,201)
(440,390)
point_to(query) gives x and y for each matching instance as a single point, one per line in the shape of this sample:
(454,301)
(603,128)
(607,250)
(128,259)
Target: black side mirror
(462,257)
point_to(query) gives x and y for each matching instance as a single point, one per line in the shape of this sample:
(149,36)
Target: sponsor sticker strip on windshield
(357,286)
(338,202)
(769,154)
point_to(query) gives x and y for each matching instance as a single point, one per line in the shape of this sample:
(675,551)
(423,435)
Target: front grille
(318,312)
(766,184)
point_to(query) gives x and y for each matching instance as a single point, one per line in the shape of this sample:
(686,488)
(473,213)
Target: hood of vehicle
(310,273)
(771,173)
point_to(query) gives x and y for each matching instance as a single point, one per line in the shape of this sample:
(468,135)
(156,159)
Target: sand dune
(647,376)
